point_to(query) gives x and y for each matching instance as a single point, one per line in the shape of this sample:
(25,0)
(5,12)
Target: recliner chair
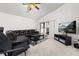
(7,48)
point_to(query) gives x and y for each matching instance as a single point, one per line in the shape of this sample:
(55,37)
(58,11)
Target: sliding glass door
(44,28)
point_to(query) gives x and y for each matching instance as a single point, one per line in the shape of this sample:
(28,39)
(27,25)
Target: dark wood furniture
(63,39)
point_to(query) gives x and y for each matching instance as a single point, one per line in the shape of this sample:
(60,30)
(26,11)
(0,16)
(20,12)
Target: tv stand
(63,39)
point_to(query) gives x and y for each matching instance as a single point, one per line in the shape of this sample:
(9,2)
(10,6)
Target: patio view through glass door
(44,28)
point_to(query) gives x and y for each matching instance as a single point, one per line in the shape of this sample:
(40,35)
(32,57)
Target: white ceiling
(20,10)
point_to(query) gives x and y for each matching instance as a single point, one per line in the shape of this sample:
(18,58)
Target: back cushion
(12,36)
(5,43)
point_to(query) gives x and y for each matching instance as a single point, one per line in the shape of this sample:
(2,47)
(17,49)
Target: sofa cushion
(21,38)
(12,36)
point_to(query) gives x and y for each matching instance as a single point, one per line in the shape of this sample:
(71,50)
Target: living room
(44,21)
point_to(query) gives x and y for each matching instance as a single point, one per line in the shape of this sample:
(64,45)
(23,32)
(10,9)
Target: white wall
(12,22)
(66,13)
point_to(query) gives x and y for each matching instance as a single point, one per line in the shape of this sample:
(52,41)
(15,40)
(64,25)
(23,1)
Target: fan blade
(36,3)
(29,3)
(25,3)
(36,6)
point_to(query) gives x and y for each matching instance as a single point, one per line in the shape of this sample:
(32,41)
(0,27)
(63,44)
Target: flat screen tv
(67,27)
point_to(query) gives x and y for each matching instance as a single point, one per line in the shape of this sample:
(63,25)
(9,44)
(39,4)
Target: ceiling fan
(31,6)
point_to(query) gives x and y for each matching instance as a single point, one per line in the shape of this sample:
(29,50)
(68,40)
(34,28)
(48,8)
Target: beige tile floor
(51,47)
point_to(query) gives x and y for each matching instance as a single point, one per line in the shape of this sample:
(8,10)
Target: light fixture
(31,6)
